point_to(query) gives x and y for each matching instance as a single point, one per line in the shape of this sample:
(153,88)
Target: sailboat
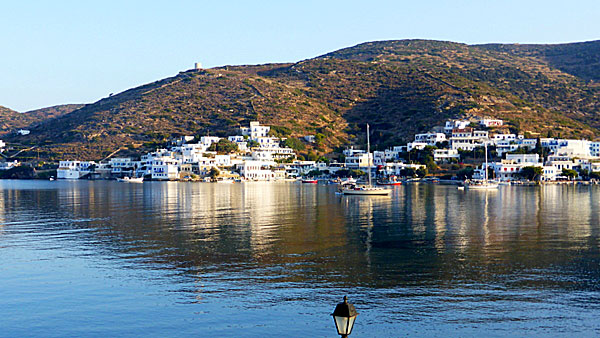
(484,184)
(368,190)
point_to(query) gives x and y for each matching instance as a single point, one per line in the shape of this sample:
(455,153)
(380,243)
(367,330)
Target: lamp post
(344,316)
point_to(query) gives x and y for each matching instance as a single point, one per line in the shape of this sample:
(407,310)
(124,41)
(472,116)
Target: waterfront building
(121,167)
(397,168)
(165,168)
(298,168)
(257,170)
(74,169)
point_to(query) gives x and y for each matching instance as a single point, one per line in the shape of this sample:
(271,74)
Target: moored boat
(368,190)
(484,184)
(131,179)
(310,181)
(389,182)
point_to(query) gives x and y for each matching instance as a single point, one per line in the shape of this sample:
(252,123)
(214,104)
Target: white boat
(484,184)
(131,179)
(226,181)
(481,185)
(365,190)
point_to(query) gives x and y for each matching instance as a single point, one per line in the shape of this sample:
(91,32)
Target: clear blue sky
(56,52)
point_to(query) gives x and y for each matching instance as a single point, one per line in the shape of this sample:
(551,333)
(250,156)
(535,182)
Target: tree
(570,173)
(465,173)
(319,138)
(595,175)
(408,172)
(312,156)
(214,173)
(422,172)
(224,146)
(314,173)
(294,143)
(252,144)
(278,131)
(349,172)
(531,173)
(324,159)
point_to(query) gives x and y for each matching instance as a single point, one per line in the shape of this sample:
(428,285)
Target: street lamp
(344,316)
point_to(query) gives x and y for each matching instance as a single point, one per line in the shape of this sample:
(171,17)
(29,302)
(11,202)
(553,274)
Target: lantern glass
(344,324)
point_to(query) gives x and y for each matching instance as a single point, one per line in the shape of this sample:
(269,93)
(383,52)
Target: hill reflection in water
(278,257)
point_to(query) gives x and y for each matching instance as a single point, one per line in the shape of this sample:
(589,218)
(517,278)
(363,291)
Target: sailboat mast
(486,163)
(369,154)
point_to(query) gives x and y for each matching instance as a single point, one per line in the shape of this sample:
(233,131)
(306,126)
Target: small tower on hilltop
(197,66)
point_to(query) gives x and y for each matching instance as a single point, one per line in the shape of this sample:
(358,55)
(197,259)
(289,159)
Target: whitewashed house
(73,169)
(491,122)
(165,168)
(445,155)
(255,130)
(430,138)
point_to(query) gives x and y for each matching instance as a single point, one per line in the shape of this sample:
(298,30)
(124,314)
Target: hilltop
(11,120)
(400,87)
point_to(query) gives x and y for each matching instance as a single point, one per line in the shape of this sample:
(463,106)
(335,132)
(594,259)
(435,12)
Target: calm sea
(109,259)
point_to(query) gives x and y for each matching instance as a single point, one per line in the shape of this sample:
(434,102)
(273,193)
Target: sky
(58,52)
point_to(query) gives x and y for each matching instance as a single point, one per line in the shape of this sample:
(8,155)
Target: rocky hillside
(10,120)
(579,59)
(399,87)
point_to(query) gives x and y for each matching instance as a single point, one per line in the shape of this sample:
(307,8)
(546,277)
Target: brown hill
(400,87)
(11,120)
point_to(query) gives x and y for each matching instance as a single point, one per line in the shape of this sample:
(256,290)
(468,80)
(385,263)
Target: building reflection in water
(287,232)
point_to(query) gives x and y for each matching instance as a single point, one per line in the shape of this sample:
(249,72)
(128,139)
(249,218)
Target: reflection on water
(198,259)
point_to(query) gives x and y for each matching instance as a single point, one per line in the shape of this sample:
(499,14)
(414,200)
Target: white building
(445,155)
(255,130)
(257,170)
(430,138)
(268,142)
(575,147)
(298,168)
(122,166)
(73,169)
(455,124)
(358,160)
(467,139)
(207,141)
(396,168)
(165,168)
(528,159)
(272,153)
(2,146)
(491,122)
(8,165)
(416,145)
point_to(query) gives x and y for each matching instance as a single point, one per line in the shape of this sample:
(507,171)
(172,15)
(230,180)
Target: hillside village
(254,155)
